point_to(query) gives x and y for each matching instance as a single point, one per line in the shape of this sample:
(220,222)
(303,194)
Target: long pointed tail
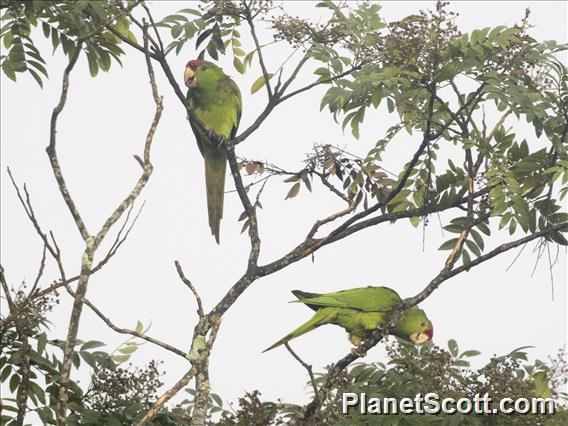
(323,316)
(215,167)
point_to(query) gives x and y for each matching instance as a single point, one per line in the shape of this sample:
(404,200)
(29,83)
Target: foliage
(65,24)
(115,395)
(118,395)
(425,55)
(441,83)
(410,370)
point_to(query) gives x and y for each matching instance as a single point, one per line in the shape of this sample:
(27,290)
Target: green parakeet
(360,311)
(216,102)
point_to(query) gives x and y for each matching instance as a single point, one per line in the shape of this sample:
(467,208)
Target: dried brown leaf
(293,178)
(293,191)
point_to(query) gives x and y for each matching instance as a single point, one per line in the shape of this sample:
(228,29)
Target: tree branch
(446,273)
(121,330)
(250,22)
(186,281)
(249,209)
(307,366)
(91,243)
(51,150)
(203,353)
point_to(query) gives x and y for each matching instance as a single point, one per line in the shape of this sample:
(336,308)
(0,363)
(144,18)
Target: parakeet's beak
(189,77)
(419,338)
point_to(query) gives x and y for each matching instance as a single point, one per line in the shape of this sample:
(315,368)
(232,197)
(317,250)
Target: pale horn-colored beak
(419,338)
(189,77)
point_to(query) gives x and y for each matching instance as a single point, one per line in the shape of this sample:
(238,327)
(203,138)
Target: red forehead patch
(194,64)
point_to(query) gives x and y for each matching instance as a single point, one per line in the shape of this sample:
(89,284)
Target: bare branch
(52,153)
(249,209)
(121,330)
(204,354)
(186,281)
(249,19)
(307,366)
(330,218)
(92,243)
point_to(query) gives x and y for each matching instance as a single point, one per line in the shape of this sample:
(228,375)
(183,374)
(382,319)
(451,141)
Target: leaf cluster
(115,396)
(65,24)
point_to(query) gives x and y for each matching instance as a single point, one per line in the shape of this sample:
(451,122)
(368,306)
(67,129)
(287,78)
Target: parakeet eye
(422,324)
(203,67)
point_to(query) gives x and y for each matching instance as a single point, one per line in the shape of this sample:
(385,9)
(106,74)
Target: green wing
(366,299)
(230,91)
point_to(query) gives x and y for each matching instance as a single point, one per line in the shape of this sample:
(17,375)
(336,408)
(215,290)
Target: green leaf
(190,11)
(473,247)
(239,66)
(46,415)
(37,391)
(41,342)
(482,226)
(93,66)
(453,347)
(447,72)
(177,30)
(477,238)
(8,70)
(454,228)
(259,83)
(54,39)
(36,77)
(5,373)
(92,344)
(139,327)
(14,382)
(448,245)
(119,359)
(415,221)
(470,353)
(128,349)
(465,257)
(512,226)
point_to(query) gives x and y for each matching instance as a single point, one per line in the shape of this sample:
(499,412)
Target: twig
(39,272)
(249,209)
(332,188)
(121,330)
(250,22)
(307,366)
(516,257)
(330,218)
(187,282)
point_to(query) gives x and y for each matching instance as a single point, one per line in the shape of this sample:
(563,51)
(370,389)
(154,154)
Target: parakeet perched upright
(216,102)
(360,311)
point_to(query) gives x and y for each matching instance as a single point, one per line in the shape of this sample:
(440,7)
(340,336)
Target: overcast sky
(105,123)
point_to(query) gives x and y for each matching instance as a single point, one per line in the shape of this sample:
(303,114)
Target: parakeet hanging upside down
(216,102)
(360,311)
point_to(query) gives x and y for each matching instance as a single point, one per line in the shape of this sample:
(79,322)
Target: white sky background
(105,123)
